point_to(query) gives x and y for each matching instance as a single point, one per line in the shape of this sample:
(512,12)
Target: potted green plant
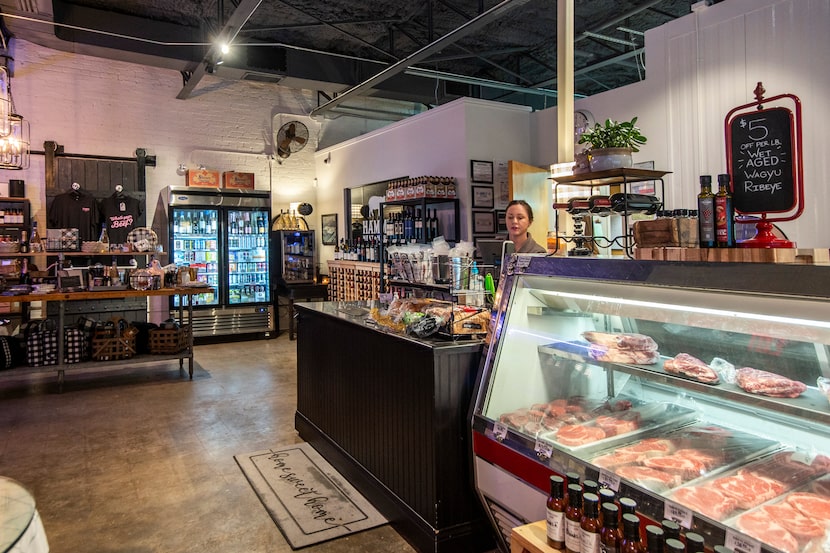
(612,143)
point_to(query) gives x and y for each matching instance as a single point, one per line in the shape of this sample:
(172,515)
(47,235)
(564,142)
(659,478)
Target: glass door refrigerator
(224,234)
(296,258)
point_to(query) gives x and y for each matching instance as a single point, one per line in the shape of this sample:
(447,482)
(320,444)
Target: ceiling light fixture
(14,129)
(632,31)
(610,39)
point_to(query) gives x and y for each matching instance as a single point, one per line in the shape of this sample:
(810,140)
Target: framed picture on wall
(482,197)
(329,226)
(484,222)
(501,220)
(481,171)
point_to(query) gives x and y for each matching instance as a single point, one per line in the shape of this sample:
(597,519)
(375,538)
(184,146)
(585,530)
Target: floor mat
(308,500)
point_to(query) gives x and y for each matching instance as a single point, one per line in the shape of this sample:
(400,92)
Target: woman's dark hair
(525,205)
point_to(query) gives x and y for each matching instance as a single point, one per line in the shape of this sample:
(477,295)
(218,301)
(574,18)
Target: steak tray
(654,418)
(721,448)
(786,530)
(578,350)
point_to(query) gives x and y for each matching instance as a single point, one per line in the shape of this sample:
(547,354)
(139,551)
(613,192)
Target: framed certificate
(484,222)
(481,171)
(482,197)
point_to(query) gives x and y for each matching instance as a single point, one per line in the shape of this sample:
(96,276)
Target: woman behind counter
(518,217)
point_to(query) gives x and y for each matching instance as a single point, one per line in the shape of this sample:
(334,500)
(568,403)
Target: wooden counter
(390,412)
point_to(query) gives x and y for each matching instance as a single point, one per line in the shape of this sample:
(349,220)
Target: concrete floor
(141,460)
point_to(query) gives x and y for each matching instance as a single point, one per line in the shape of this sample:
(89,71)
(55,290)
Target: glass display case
(694,389)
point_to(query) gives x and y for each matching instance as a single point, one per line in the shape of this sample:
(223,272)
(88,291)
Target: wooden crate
(163,340)
(109,344)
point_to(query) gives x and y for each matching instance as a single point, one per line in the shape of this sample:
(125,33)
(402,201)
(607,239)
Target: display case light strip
(698,310)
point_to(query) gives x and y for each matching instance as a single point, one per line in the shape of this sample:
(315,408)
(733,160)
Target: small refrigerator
(224,233)
(296,256)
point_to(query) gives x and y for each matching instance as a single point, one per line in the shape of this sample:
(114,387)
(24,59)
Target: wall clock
(583,120)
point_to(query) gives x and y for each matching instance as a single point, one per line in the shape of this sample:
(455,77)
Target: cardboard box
(203,177)
(232,179)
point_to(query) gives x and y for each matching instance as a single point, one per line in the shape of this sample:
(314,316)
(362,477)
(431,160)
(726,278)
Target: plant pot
(581,163)
(603,159)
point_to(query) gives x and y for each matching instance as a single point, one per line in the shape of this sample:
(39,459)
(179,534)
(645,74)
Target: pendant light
(14,129)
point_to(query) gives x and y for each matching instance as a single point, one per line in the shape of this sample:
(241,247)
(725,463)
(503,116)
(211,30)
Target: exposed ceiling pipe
(238,18)
(477,81)
(420,55)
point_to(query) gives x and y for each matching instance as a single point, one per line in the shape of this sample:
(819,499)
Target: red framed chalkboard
(763,151)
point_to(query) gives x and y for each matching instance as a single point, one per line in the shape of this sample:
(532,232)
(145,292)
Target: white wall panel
(701,66)
(441,142)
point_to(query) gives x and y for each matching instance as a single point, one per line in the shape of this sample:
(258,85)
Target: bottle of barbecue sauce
(590,525)
(609,534)
(631,542)
(556,513)
(573,519)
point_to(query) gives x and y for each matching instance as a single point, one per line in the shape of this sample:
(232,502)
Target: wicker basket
(9,247)
(163,340)
(111,344)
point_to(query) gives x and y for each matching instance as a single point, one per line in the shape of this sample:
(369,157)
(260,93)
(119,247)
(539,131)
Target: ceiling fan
(291,138)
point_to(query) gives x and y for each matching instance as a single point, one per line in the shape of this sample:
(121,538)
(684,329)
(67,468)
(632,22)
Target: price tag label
(802,457)
(543,449)
(609,480)
(741,544)
(499,431)
(681,515)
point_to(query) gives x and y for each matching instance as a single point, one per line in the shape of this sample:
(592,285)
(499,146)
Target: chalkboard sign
(763,180)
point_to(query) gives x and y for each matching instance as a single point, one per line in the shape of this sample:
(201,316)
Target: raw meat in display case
(724,418)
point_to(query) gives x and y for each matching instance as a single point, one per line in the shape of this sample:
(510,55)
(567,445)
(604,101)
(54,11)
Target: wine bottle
(104,239)
(35,242)
(706,213)
(24,272)
(24,242)
(724,214)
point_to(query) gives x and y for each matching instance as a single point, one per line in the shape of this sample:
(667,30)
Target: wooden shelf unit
(354,280)
(63,297)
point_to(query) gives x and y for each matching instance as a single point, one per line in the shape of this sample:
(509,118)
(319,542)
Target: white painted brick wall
(95,106)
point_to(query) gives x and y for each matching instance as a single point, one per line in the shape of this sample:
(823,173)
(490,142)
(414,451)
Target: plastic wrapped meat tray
(750,485)
(682,457)
(604,432)
(797,521)
(577,350)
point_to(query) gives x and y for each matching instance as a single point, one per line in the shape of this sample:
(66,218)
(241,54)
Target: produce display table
(530,538)
(63,297)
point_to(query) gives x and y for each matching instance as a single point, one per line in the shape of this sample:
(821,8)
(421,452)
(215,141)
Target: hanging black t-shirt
(120,212)
(79,210)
